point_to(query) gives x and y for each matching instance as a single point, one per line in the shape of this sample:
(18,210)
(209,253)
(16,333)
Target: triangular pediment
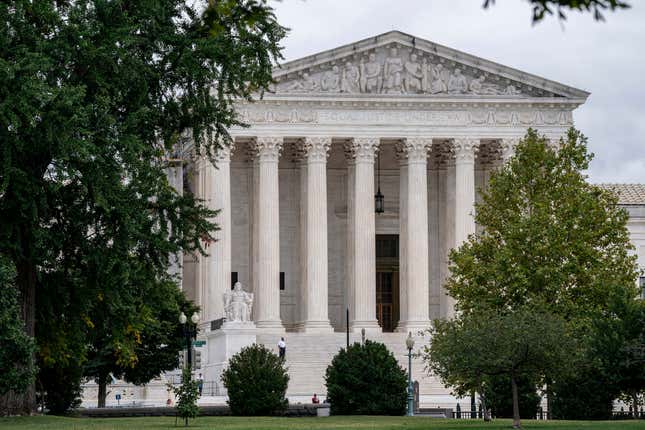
(398,64)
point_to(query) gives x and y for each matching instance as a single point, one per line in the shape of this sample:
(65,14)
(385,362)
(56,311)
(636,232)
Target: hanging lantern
(379,207)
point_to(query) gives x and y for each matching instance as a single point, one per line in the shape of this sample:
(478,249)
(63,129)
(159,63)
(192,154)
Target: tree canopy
(94,96)
(542,8)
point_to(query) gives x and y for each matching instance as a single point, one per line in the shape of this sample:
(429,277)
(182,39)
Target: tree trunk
(635,403)
(102,382)
(516,404)
(24,403)
(485,411)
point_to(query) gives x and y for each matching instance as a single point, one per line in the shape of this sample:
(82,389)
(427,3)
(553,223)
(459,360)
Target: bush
(62,385)
(366,380)
(187,394)
(583,395)
(256,380)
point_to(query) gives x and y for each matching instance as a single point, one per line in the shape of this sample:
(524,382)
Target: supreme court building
(419,124)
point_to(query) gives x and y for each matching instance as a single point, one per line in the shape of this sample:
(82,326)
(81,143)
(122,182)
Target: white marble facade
(425,123)
(297,190)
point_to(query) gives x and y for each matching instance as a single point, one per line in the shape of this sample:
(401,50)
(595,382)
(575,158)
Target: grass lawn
(337,423)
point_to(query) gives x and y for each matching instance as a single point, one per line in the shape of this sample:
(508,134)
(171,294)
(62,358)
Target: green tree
(94,94)
(549,238)
(17,349)
(499,399)
(187,394)
(366,379)
(542,8)
(466,353)
(256,381)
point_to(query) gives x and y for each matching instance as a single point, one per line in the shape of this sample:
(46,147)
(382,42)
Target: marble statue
(439,84)
(512,91)
(331,80)
(457,84)
(392,71)
(238,304)
(370,75)
(413,78)
(307,84)
(479,87)
(350,80)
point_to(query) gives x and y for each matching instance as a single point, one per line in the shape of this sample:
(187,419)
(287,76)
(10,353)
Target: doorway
(387,281)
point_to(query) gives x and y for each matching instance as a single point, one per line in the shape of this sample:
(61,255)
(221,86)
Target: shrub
(499,397)
(256,380)
(366,380)
(187,394)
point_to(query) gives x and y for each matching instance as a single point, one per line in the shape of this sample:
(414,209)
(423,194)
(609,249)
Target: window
(387,246)
(233,279)
(641,283)
(281,281)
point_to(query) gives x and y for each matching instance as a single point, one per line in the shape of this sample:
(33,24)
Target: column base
(413,326)
(271,326)
(371,326)
(315,327)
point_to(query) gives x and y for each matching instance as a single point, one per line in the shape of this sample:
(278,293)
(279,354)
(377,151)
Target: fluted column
(316,319)
(175,175)
(464,151)
(415,288)
(220,250)
(267,218)
(362,228)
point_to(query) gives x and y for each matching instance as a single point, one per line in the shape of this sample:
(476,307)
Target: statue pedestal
(223,344)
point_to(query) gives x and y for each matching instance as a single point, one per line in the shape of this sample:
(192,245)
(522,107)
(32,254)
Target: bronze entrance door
(387,281)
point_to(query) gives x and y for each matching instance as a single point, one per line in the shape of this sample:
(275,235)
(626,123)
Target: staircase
(308,356)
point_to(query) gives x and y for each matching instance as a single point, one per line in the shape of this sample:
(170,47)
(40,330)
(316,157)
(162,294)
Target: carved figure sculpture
(238,304)
(392,70)
(479,87)
(426,71)
(512,91)
(413,78)
(457,83)
(307,84)
(439,84)
(349,82)
(331,80)
(370,75)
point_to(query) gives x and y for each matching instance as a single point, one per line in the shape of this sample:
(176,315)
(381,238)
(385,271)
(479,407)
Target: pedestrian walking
(282,348)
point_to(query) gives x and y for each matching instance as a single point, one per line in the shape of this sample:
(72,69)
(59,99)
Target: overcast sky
(606,58)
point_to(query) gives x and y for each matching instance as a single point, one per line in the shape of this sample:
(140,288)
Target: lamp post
(190,331)
(409,343)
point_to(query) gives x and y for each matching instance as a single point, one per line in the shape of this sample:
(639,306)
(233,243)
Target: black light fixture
(379,208)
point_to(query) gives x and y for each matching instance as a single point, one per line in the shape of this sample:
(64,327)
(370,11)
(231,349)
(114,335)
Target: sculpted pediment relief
(393,67)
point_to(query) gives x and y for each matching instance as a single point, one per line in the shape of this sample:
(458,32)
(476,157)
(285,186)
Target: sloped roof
(628,194)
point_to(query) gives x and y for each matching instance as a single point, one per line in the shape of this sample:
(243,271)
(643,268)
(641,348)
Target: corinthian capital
(362,149)
(507,146)
(465,149)
(268,148)
(316,149)
(413,149)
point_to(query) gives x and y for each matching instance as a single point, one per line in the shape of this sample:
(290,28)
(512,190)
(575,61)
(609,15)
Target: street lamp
(409,343)
(190,331)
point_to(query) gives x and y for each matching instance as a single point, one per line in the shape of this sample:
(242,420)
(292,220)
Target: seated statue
(238,304)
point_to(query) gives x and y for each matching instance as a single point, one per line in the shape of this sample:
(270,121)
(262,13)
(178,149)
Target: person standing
(282,348)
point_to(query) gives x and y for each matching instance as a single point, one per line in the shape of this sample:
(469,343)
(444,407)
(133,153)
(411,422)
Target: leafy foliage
(541,8)
(94,95)
(365,379)
(469,352)
(549,239)
(16,352)
(256,380)
(61,386)
(187,394)
(585,394)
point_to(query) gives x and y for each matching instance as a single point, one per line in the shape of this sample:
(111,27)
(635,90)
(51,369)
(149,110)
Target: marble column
(464,152)
(362,234)
(220,250)
(415,282)
(315,319)
(175,175)
(266,308)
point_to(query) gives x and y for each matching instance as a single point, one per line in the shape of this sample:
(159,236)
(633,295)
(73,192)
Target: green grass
(335,423)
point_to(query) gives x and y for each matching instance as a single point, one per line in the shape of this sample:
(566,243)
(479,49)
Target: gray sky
(605,58)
